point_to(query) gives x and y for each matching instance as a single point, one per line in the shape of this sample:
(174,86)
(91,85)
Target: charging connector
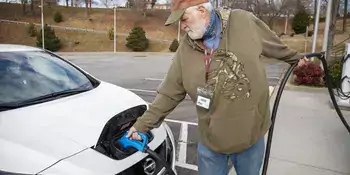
(142,147)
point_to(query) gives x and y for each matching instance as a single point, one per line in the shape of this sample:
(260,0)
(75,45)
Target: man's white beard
(197,30)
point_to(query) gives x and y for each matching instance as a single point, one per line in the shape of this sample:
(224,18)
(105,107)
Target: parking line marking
(182,143)
(142,90)
(187,166)
(149,91)
(271,88)
(181,122)
(154,79)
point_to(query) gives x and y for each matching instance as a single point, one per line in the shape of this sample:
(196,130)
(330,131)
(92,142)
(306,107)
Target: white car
(56,118)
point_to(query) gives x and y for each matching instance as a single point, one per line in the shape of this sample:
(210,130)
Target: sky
(119,3)
(99,5)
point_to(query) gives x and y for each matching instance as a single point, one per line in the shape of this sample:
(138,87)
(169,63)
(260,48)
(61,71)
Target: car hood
(35,137)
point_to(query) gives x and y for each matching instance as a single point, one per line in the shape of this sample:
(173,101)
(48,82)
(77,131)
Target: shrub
(174,45)
(52,42)
(309,74)
(335,71)
(57,17)
(137,40)
(111,33)
(32,30)
(310,33)
(300,21)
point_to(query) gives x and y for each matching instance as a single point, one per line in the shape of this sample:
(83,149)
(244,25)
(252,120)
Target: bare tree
(50,3)
(139,5)
(32,5)
(24,3)
(87,8)
(334,12)
(345,14)
(266,10)
(274,9)
(106,3)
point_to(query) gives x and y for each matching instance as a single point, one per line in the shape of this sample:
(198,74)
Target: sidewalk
(309,138)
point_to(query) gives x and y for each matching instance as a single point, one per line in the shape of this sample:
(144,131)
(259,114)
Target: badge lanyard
(207,60)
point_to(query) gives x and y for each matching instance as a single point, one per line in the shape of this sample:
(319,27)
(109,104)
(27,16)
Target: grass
(72,40)
(102,19)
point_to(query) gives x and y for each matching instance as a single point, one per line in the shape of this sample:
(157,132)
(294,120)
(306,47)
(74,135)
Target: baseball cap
(178,8)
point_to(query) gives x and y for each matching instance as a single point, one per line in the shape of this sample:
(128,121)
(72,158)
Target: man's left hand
(302,61)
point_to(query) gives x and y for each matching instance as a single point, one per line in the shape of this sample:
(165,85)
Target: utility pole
(286,24)
(327,24)
(114,30)
(42,24)
(316,20)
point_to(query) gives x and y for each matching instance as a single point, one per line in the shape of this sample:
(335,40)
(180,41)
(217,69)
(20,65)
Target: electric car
(55,118)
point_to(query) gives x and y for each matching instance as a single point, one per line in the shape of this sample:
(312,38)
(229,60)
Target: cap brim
(174,17)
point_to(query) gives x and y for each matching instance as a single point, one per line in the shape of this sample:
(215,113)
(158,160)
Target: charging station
(343,93)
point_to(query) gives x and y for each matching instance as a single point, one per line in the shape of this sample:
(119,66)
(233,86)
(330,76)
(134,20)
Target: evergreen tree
(300,21)
(137,40)
(52,42)
(174,45)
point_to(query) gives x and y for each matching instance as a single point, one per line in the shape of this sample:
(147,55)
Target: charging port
(115,128)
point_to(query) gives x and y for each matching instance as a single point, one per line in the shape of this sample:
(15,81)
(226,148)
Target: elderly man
(217,64)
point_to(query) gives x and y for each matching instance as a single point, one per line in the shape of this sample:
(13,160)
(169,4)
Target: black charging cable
(162,161)
(321,57)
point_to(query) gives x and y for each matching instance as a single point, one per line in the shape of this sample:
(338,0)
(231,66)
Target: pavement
(309,138)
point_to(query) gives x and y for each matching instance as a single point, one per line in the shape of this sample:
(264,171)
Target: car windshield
(30,75)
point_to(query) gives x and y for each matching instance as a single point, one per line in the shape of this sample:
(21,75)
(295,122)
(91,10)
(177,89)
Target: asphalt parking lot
(134,72)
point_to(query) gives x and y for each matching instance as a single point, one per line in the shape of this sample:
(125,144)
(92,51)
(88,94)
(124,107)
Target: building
(162,6)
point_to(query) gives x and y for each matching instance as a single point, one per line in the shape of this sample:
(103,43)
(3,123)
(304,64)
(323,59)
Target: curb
(135,54)
(303,88)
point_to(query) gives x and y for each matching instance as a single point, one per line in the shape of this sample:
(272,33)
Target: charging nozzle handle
(144,141)
(140,146)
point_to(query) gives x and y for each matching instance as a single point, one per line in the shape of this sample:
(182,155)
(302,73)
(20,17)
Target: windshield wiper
(53,96)
(41,99)
(7,107)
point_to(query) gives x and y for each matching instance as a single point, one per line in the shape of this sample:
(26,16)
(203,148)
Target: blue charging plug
(126,142)
(142,147)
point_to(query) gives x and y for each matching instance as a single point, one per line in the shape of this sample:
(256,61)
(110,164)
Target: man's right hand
(132,134)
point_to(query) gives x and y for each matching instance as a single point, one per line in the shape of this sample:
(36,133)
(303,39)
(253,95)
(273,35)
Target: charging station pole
(345,85)
(346,71)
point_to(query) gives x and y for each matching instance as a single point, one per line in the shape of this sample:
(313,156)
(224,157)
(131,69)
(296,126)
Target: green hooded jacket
(240,113)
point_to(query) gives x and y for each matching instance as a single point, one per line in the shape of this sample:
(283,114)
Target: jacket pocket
(235,131)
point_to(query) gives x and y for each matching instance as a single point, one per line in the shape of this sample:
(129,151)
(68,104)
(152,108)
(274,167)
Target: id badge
(204,97)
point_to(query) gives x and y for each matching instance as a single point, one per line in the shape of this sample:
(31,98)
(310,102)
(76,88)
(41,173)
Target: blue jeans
(247,162)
